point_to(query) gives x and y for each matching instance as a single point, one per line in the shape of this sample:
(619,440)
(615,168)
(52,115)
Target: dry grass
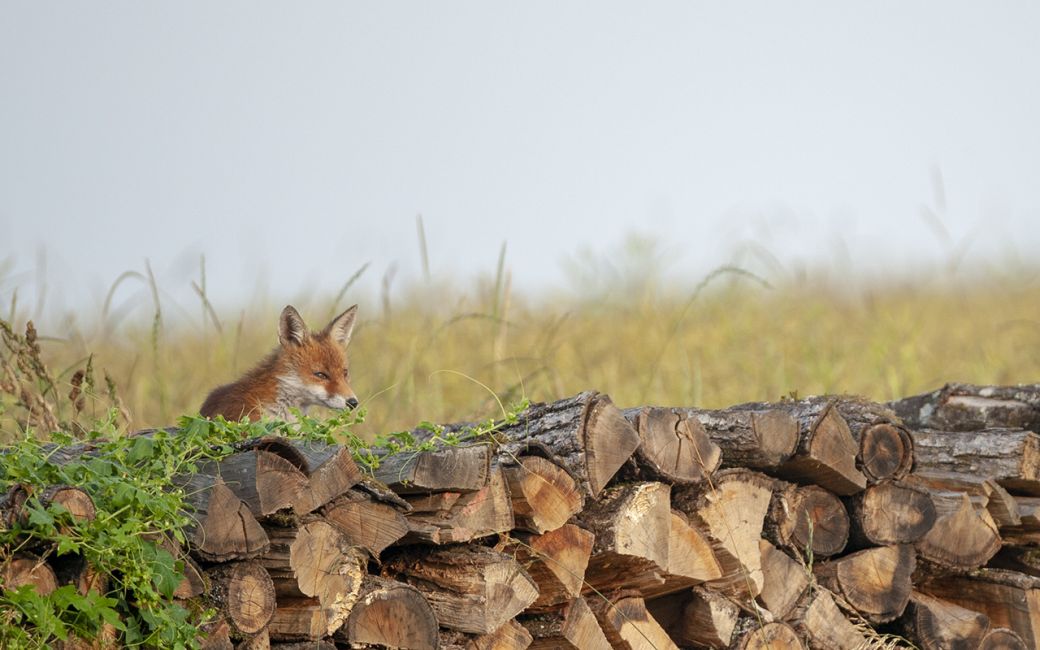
(434,352)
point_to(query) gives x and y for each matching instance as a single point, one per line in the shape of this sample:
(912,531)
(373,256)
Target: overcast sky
(292,142)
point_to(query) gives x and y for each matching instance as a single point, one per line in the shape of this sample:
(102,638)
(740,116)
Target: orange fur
(307,369)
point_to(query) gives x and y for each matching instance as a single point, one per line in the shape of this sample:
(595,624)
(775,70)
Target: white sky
(292,142)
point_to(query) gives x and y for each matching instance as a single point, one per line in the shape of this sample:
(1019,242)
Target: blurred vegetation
(434,350)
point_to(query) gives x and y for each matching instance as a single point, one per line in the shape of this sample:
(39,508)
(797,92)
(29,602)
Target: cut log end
(886,451)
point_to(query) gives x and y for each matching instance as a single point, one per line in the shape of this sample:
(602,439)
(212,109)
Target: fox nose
(352,402)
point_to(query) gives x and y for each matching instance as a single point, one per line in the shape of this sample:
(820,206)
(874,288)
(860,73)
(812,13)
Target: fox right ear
(291,328)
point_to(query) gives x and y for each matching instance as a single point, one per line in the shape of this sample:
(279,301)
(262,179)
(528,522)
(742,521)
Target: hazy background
(291,143)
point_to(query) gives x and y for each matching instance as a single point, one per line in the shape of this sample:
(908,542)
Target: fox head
(315,370)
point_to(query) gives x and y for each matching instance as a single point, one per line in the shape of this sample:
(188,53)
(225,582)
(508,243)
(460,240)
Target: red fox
(308,368)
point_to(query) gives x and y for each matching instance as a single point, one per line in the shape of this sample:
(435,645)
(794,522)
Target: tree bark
(330,469)
(826,451)
(264,481)
(754,436)
(451,469)
(966,407)
(472,515)
(224,528)
(1010,456)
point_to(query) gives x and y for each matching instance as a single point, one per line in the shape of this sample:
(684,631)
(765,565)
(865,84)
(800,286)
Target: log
(453,469)
(243,594)
(875,582)
(330,469)
(691,560)
(304,645)
(365,522)
(317,560)
(1017,558)
(73,499)
(587,435)
(807,519)
(511,636)
(73,569)
(783,581)
(935,624)
(966,407)
(699,617)
(1010,456)
(472,515)
(216,635)
(1002,638)
(962,539)
(471,588)
(27,569)
(544,495)
(819,621)
(1009,599)
(556,561)
(673,449)
(890,513)
(573,628)
(223,527)
(264,481)
(730,512)
(754,436)
(886,449)
(390,614)
(946,489)
(629,626)
(259,641)
(298,619)
(631,524)
(753,634)
(826,451)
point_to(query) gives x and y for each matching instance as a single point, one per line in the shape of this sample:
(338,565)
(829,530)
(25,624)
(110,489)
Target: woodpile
(824,523)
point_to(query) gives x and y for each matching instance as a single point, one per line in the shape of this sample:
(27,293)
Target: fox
(306,369)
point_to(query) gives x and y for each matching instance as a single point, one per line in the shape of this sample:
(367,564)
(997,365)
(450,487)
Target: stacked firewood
(826,522)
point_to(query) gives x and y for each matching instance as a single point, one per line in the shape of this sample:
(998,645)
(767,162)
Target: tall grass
(430,350)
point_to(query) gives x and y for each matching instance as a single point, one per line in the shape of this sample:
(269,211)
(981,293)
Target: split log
(631,524)
(784,581)
(573,628)
(556,561)
(966,407)
(511,636)
(544,495)
(753,634)
(216,635)
(471,588)
(472,515)
(244,595)
(807,518)
(818,620)
(25,569)
(1002,638)
(1010,456)
(875,582)
(947,488)
(259,641)
(223,527)
(826,451)
(317,560)
(264,481)
(298,619)
(304,645)
(730,511)
(691,559)
(697,616)
(963,539)
(390,614)
(890,513)
(586,434)
(935,624)
(330,469)
(365,522)
(1009,599)
(754,436)
(673,449)
(453,469)
(629,626)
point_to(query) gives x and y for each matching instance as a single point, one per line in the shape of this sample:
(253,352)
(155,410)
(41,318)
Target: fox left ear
(342,326)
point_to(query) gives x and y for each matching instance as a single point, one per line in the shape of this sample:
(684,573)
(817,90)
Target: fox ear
(291,328)
(342,326)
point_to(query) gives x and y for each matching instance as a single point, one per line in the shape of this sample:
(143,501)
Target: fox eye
(320,375)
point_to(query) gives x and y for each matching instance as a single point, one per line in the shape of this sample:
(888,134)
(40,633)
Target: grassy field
(438,352)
